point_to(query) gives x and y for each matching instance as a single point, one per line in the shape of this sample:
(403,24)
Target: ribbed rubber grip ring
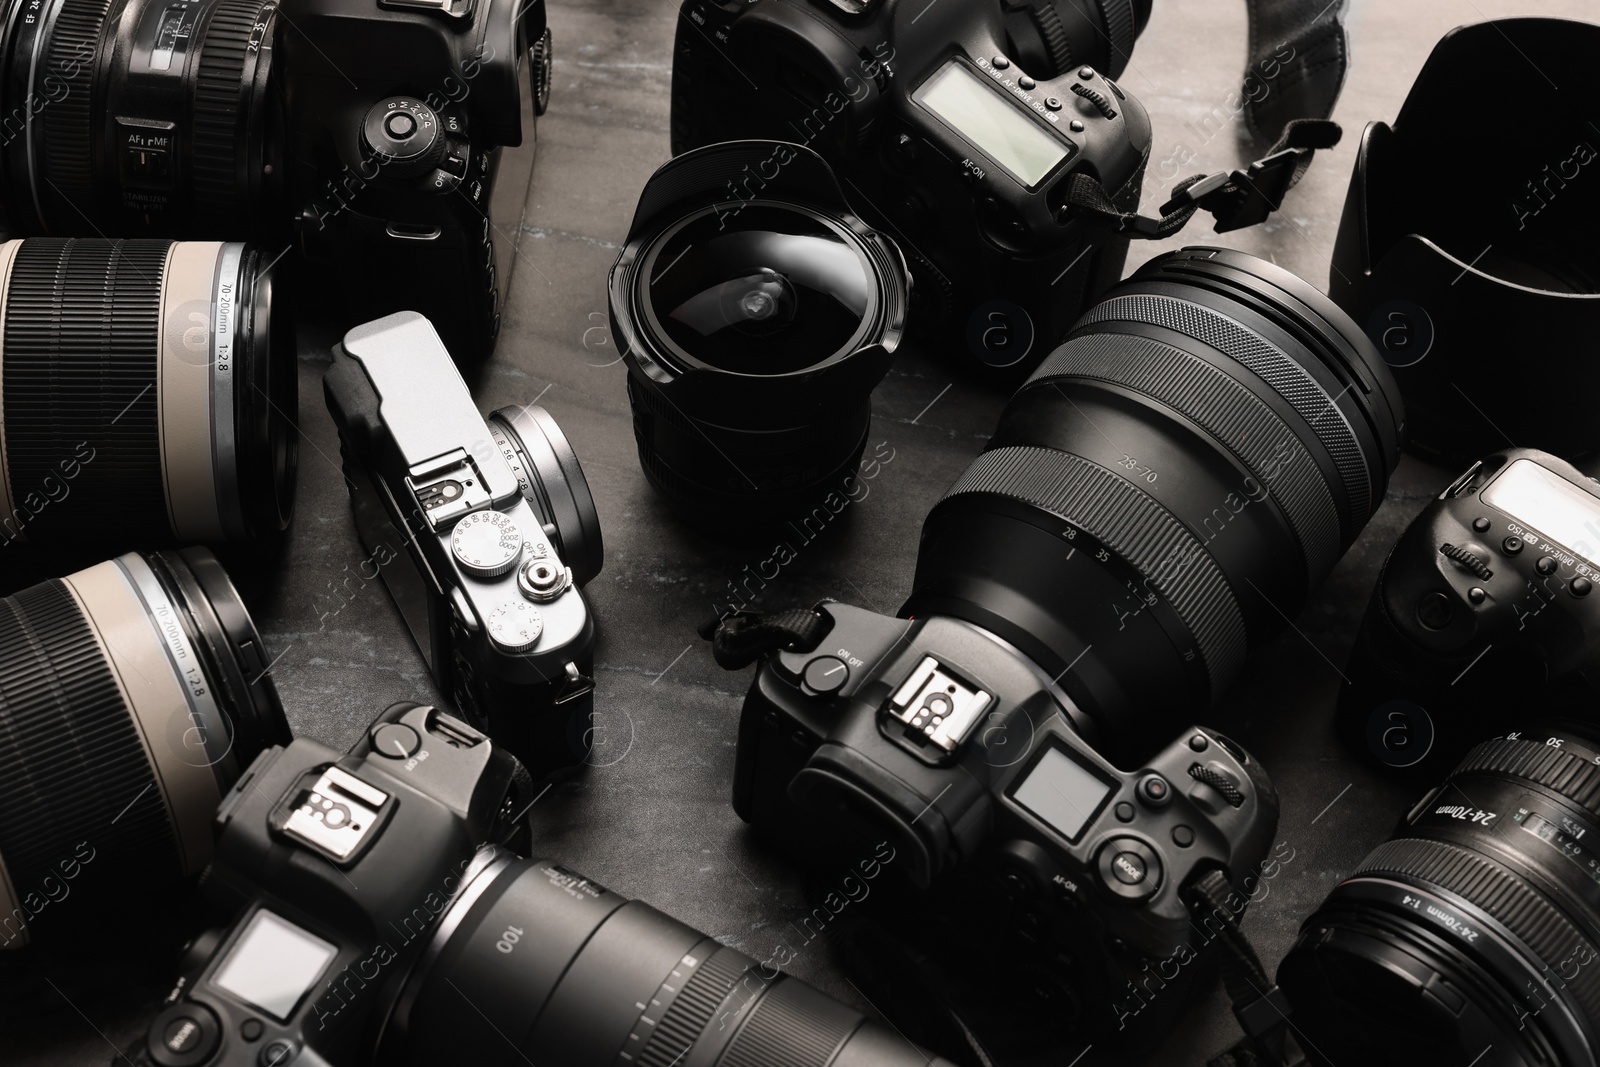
(217,138)
(81,363)
(1268,362)
(690,1012)
(1501,894)
(1119,26)
(1572,776)
(1130,523)
(76,769)
(70,123)
(1236,418)
(1054,35)
(786,1031)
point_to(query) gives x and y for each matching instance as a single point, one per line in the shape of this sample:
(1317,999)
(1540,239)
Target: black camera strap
(738,640)
(1258,1004)
(1236,199)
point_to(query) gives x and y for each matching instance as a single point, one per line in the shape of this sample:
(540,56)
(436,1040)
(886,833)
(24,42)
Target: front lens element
(147,380)
(774,291)
(1473,935)
(132,694)
(558,969)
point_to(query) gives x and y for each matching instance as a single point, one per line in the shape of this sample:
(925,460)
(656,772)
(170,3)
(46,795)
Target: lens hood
(1482,294)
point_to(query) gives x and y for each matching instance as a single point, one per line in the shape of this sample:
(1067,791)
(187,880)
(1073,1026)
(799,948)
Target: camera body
(958,128)
(445,505)
(338,868)
(1486,606)
(975,764)
(409,146)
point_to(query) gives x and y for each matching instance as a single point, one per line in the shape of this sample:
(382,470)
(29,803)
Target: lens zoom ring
(1119,27)
(691,1010)
(218,139)
(1239,421)
(1134,526)
(69,121)
(1501,894)
(1572,776)
(80,363)
(61,715)
(784,1031)
(1266,361)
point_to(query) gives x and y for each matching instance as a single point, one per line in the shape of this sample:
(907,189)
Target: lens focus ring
(1131,524)
(1239,420)
(691,1010)
(70,121)
(1500,893)
(1268,362)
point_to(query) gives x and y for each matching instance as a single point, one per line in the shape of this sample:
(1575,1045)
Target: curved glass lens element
(779,292)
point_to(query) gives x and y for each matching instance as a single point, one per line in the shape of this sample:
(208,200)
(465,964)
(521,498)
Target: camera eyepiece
(756,313)
(132,695)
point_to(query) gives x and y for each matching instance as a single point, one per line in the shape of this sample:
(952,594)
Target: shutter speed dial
(404,135)
(487,544)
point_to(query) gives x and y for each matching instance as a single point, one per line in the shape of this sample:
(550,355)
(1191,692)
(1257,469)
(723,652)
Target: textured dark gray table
(651,818)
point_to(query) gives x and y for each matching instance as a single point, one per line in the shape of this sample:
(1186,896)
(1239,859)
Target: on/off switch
(825,675)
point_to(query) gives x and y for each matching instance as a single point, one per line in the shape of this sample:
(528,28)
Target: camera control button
(1199,742)
(516,627)
(1155,791)
(1435,610)
(1125,812)
(1511,546)
(1477,595)
(1580,587)
(251,1029)
(1481,524)
(826,675)
(1129,868)
(400,125)
(1000,62)
(1026,83)
(395,740)
(183,1035)
(1182,836)
(1546,565)
(277,1054)
(487,544)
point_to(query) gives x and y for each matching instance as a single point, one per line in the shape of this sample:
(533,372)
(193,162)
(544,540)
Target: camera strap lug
(739,639)
(575,685)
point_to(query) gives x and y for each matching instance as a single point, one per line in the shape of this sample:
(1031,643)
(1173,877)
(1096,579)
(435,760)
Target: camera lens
(754,332)
(561,970)
(1473,934)
(1051,37)
(547,470)
(132,694)
(1167,489)
(139,117)
(149,381)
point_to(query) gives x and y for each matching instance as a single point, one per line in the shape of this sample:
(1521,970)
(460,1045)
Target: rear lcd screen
(1062,792)
(1550,504)
(1009,137)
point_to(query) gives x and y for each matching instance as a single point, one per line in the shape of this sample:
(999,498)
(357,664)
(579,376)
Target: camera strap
(1236,199)
(1258,1004)
(738,640)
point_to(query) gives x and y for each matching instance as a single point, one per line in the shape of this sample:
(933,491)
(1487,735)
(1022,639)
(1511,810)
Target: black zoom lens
(755,330)
(148,392)
(139,117)
(1168,488)
(1473,935)
(132,694)
(561,970)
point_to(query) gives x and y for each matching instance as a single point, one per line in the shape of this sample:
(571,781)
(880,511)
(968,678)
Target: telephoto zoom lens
(140,117)
(147,392)
(533,963)
(132,695)
(754,329)
(1167,489)
(1472,936)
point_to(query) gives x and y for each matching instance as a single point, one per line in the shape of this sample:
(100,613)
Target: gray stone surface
(652,818)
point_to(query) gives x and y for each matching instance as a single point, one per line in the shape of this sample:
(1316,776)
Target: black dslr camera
(483,532)
(373,922)
(1485,609)
(962,129)
(973,762)
(372,133)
